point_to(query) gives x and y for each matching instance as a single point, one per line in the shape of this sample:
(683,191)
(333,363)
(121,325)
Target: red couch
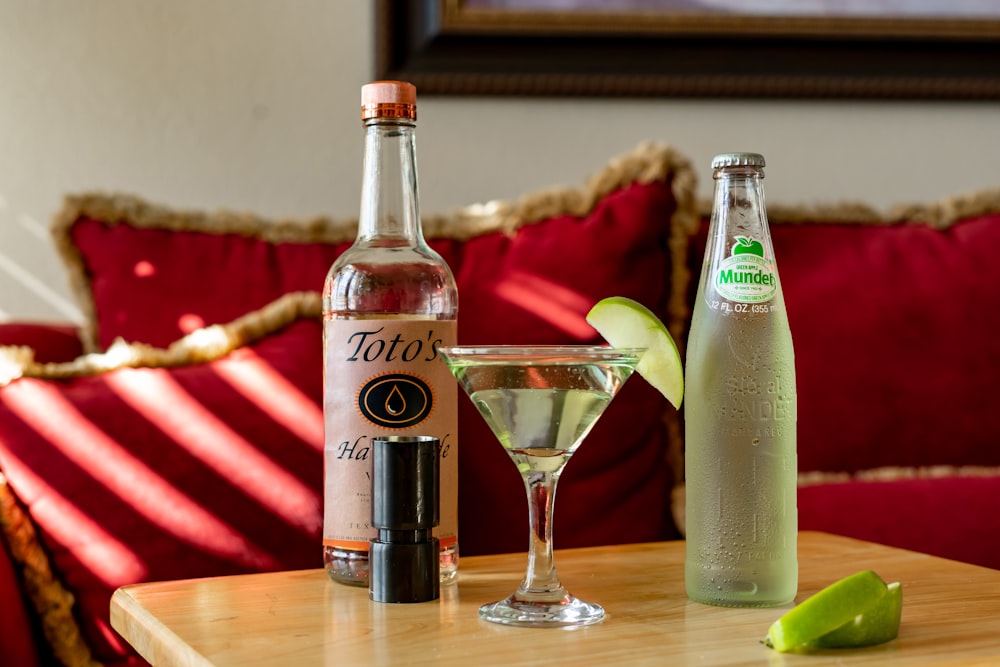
(188,443)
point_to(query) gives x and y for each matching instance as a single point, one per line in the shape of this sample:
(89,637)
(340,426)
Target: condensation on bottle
(741,468)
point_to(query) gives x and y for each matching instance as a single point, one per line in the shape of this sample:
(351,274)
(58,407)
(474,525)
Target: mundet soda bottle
(740,407)
(389,303)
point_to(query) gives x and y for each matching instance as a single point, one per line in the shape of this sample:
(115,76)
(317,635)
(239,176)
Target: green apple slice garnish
(832,608)
(624,323)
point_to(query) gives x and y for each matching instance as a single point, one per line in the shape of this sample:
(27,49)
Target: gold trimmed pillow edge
(200,346)
(940,213)
(51,600)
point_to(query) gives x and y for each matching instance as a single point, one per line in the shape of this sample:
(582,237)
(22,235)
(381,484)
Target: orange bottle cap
(388,99)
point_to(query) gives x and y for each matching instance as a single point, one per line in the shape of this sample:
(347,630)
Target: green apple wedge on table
(876,625)
(859,610)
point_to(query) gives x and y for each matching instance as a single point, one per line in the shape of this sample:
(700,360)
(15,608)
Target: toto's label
(383,377)
(745,276)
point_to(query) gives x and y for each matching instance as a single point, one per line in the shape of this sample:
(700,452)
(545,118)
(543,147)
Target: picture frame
(670,48)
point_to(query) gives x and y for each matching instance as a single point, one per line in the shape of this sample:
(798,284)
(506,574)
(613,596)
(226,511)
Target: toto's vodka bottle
(740,407)
(389,303)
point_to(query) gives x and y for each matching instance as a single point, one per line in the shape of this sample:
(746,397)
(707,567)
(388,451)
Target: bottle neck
(739,196)
(390,212)
(739,219)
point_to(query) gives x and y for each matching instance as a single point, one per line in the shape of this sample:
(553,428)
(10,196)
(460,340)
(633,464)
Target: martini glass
(540,403)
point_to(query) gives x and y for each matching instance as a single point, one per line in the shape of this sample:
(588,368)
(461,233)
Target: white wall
(253,105)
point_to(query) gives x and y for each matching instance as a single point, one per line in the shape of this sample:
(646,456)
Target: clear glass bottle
(740,407)
(389,303)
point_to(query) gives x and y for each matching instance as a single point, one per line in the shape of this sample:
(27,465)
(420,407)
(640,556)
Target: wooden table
(951,615)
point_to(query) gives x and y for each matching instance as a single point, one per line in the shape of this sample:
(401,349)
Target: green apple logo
(748,246)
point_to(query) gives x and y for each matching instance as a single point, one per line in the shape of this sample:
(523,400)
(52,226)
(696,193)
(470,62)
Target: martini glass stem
(541,581)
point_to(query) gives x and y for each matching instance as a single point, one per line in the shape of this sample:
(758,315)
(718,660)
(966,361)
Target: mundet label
(745,276)
(384,377)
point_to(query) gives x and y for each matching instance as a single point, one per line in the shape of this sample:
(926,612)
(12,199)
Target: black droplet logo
(395,400)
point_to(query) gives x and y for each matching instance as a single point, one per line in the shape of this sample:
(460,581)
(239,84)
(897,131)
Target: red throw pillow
(895,321)
(150,274)
(891,324)
(147,274)
(152,473)
(527,272)
(894,325)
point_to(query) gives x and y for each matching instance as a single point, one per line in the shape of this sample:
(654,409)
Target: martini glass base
(566,611)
